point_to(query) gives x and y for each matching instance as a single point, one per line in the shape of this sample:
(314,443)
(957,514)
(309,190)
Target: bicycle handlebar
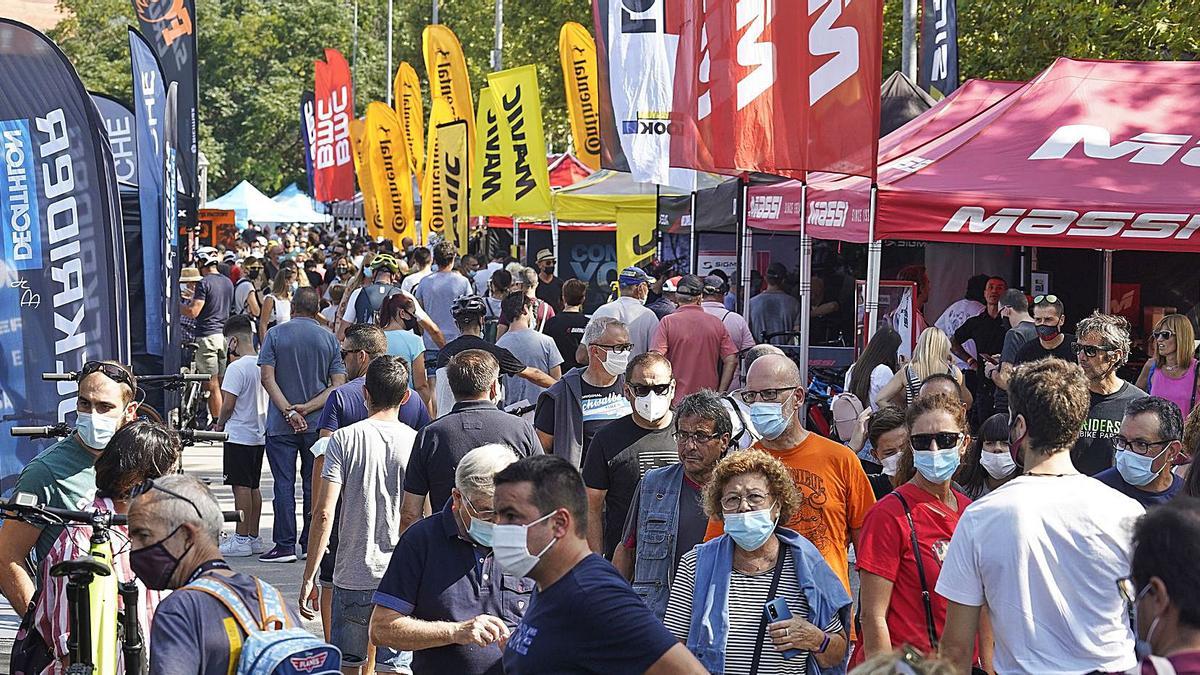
(181,377)
(60,377)
(24,504)
(49,431)
(189,436)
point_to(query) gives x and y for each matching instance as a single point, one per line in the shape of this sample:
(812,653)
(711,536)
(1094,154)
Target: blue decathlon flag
(150,106)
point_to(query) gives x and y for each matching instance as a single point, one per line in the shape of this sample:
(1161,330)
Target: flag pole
(874,254)
(389,54)
(805,273)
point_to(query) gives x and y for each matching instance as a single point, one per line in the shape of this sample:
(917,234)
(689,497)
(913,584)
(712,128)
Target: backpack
(370,299)
(491,322)
(271,648)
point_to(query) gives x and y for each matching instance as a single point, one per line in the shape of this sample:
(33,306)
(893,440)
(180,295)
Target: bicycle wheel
(146,411)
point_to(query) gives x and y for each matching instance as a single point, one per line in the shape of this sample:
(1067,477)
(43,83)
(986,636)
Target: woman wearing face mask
(905,536)
(139,451)
(277,306)
(988,463)
(1162,589)
(398,317)
(718,598)
(342,271)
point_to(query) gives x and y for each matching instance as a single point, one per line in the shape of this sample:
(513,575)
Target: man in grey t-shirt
(437,292)
(364,461)
(534,349)
(774,310)
(1014,308)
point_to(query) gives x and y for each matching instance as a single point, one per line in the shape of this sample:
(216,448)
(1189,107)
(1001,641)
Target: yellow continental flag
(577,51)
(524,177)
(412,116)
(387,152)
(447,71)
(454,165)
(362,169)
(635,238)
(486,163)
(433,209)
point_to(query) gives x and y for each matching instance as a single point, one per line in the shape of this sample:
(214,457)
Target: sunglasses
(1045,298)
(149,484)
(347,352)
(111,370)
(684,437)
(945,440)
(645,389)
(1090,350)
(1162,335)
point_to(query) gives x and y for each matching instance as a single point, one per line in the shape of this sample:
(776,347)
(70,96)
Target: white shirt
(483,276)
(247,424)
(410,282)
(880,376)
(954,317)
(641,321)
(1044,553)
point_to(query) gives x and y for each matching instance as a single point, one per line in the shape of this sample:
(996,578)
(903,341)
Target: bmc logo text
(1145,148)
(828,214)
(1060,222)
(765,207)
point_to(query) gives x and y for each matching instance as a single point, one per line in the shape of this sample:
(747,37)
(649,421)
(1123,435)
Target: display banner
(333,165)
(433,211)
(172,252)
(577,52)
(486,164)
(366,185)
(150,101)
(308,135)
(611,155)
(62,269)
(584,253)
(636,240)
(170,28)
(455,165)
(387,156)
(119,125)
(525,181)
(218,227)
(412,116)
(446,69)
(939,47)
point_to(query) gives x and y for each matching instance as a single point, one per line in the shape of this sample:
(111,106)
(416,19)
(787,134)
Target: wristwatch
(290,412)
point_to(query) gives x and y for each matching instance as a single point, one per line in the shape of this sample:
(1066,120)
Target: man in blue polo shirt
(442,596)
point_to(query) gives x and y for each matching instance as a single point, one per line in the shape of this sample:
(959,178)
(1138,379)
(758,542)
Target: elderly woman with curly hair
(718,601)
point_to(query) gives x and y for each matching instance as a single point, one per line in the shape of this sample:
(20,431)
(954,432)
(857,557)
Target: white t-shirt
(281,311)
(1044,553)
(247,425)
(880,376)
(410,282)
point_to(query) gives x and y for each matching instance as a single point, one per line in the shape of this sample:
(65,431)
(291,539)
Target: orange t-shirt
(836,496)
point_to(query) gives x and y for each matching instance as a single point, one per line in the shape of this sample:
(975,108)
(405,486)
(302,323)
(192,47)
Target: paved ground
(204,462)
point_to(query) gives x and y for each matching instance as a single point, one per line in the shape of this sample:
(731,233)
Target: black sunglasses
(110,370)
(945,440)
(618,349)
(1090,350)
(149,484)
(645,389)
(350,351)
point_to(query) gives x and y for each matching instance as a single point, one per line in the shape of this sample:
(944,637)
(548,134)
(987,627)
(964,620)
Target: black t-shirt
(216,290)
(509,363)
(566,328)
(1093,452)
(1016,337)
(599,406)
(550,292)
(620,454)
(1033,351)
(987,332)
(690,525)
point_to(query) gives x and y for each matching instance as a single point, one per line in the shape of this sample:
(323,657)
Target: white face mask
(652,407)
(511,548)
(615,363)
(96,430)
(890,464)
(998,464)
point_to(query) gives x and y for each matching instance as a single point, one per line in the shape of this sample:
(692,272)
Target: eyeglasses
(685,437)
(350,351)
(945,440)
(1045,298)
(617,349)
(1162,335)
(768,395)
(482,515)
(645,389)
(1090,350)
(755,500)
(149,484)
(110,370)
(1138,446)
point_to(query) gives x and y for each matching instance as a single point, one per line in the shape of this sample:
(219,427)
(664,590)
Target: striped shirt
(747,594)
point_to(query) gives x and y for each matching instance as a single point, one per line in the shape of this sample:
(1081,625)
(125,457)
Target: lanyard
(208,566)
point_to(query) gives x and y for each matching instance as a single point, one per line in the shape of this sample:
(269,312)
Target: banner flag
(150,98)
(63,293)
(433,211)
(366,185)
(412,116)
(636,241)
(447,71)
(119,125)
(332,161)
(172,253)
(169,26)
(611,155)
(939,47)
(577,51)
(486,164)
(455,165)
(308,136)
(387,157)
(525,179)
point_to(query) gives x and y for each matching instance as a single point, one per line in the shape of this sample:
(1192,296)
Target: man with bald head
(836,491)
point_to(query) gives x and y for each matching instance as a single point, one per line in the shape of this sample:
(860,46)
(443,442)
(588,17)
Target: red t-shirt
(886,551)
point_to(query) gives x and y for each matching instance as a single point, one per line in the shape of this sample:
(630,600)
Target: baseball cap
(545,254)
(689,284)
(671,284)
(714,284)
(777,270)
(632,276)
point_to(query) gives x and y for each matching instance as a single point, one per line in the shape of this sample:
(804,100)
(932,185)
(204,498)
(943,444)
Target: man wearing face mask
(174,526)
(209,307)
(436,598)
(549,288)
(585,614)
(570,413)
(1049,317)
(1045,569)
(634,286)
(1102,347)
(623,450)
(1147,445)
(62,476)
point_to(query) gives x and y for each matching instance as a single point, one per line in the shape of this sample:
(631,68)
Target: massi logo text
(1145,148)
(19,205)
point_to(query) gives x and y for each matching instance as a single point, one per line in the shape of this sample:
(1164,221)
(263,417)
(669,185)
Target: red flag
(333,161)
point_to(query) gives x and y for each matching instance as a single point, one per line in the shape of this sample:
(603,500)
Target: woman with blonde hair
(277,306)
(931,357)
(1171,373)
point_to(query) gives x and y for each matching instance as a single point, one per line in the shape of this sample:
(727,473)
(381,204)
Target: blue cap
(632,276)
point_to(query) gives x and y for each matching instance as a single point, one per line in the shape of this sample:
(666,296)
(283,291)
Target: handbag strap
(926,597)
(762,625)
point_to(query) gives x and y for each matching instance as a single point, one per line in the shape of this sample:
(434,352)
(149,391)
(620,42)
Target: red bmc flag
(333,162)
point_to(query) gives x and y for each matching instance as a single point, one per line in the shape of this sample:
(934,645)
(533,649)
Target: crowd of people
(493,481)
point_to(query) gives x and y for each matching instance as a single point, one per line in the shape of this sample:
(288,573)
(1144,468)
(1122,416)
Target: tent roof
(598,198)
(900,100)
(299,206)
(249,204)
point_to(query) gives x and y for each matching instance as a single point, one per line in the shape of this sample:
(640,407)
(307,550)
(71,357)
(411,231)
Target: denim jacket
(657,536)
(709,627)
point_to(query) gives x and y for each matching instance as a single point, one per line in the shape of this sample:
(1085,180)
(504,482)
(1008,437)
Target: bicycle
(185,412)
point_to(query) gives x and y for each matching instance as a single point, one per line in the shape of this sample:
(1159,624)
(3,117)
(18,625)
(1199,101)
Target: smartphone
(777,610)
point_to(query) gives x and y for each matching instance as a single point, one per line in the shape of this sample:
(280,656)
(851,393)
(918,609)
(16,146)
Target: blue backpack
(271,647)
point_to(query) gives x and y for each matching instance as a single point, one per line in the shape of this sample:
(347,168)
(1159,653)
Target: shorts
(351,618)
(211,357)
(328,562)
(243,464)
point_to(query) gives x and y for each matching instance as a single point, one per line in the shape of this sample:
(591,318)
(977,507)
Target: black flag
(939,47)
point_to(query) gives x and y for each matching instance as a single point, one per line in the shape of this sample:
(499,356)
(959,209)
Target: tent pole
(874,255)
(805,273)
(692,254)
(554,240)
(516,237)
(747,240)
(1106,279)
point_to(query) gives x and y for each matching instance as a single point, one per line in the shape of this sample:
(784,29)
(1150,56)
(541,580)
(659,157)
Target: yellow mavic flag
(635,238)
(387,152)
(522,141)
(486,163)
(453,162)
(433,209)
(412,116)
(577,51)
(447,71)
(362,169)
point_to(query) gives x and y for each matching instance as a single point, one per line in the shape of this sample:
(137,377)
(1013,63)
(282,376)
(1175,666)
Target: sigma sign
(1145,148)
(1060,222)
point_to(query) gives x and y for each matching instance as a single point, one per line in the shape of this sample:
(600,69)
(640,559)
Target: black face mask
(155,565)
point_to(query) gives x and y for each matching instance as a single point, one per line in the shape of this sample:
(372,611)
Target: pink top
(694,341)
(1177,389)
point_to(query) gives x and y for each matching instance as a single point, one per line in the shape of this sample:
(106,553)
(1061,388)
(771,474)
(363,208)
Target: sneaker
(258,546)
(279,554)
(236,546)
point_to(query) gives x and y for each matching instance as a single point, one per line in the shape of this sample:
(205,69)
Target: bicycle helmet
(206,257)
(468,305)
(382,261)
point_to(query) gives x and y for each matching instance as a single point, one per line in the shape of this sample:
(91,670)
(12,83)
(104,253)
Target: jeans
(281,455)
(351,619)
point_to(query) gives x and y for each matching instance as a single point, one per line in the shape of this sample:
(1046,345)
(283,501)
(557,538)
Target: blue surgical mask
(1136,469)
(368,273)
(96,430)
(937,466)
(750,530)
(769,420)
(480,532)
